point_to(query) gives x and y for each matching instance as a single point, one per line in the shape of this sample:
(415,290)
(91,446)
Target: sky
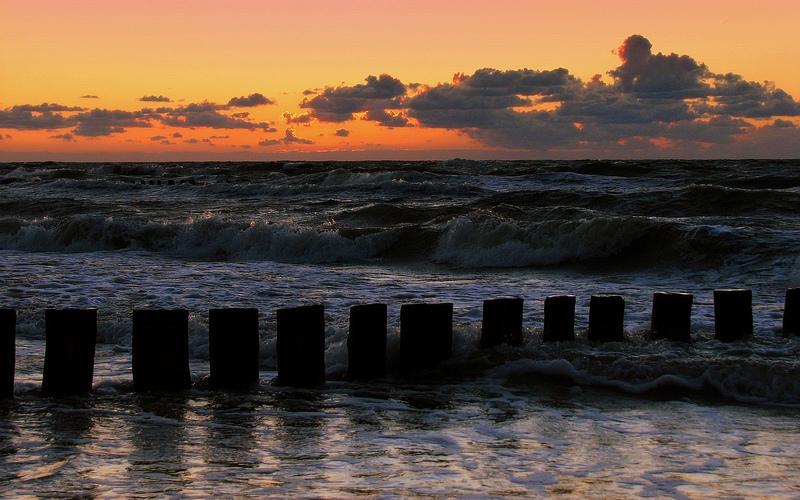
(98,80)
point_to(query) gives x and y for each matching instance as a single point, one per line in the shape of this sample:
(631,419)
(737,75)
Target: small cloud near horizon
(155,98)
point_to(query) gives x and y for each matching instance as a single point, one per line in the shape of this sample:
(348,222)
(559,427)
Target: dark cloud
(43,116)
(89,96)
(342,132)
(206,114)
(66,137)
(288,139)
(387,119)
(737,97)
(155,98)
(250,101)
(654,98)
(297,118)
(26,120)
(339,104)
(104,122)
(645,73)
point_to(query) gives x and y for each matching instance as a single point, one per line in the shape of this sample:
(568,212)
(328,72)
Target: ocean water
(635,418)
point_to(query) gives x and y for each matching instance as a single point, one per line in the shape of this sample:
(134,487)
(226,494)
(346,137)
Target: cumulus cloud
(289,138)
(104,122)
(654,97)
(250,101)
(342,132)
(207,115)
(340,104)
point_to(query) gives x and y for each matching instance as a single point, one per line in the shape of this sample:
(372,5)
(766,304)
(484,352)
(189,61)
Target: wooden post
(606,318)
(71,335)
(733,314)
(160,352)
(559,318)
(233,348)
(301,346)
(8,334)
(366,342)
(672,316)
(502,322)
(791,312)
(426,335)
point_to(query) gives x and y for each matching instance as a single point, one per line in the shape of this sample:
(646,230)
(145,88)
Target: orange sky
(93,62)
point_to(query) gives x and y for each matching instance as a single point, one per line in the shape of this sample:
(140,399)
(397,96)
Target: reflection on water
(377,440)
(159,440)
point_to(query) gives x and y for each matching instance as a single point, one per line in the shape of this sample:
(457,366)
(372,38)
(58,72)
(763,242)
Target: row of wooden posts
(160,345)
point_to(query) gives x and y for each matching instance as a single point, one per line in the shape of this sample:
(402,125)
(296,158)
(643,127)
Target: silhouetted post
(8,335)
(301,346)
(160,353)
(559,318)
(672,316)
(791,312)
(502,322)
(733,314)
(233,348)
(366,342)
(426,335)
(606,318)
(69,351)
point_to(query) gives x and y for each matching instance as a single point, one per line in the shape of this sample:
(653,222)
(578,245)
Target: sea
(639,418)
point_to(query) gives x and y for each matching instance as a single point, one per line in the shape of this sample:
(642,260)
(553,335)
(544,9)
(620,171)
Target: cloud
(647,74)
(66,137)
(26,120)
(104,122)
(250,101)
(155,98)
(339,104)
(341,132)
(36,117)
(386,119)
(89,96)
(297,118)
(654,98)
(288,139)
(207,115)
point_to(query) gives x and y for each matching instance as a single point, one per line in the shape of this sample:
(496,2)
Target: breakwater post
(366,342)
(8,343)
(70,337)
(160,350)
(733,314)
(426,335)
(502,322)
(559,318)
(301,346)
(606,318)
(791,312)
(672,316)
(233,348)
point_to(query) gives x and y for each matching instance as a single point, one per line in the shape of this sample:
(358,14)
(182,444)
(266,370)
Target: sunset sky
(352,79)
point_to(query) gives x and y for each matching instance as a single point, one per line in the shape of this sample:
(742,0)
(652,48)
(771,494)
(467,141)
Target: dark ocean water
(640,417)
